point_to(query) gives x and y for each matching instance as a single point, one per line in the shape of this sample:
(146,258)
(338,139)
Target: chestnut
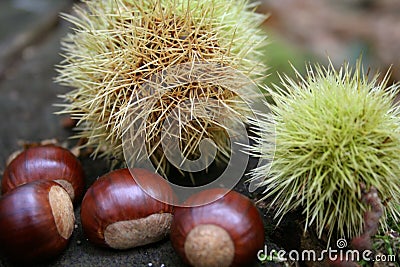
(117,213)
(48,162)
(226,232)
(36,221)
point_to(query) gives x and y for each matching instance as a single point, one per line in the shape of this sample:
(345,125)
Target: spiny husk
(116,47)
(326,136)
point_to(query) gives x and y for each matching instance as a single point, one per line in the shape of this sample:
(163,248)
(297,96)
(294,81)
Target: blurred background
(309,30)
(30,33)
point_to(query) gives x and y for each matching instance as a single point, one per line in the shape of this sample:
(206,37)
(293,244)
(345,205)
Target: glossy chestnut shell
(117,213)
(45,162)
(36,222)
(226,232)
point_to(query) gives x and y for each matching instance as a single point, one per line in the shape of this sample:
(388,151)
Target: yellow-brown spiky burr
(117,46)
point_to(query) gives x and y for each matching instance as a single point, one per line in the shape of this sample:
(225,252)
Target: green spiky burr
(329,135)
(117,45)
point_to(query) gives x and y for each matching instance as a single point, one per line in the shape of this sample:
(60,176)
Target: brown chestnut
(117,213)
(36,221)
(226,232)
(47,162)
